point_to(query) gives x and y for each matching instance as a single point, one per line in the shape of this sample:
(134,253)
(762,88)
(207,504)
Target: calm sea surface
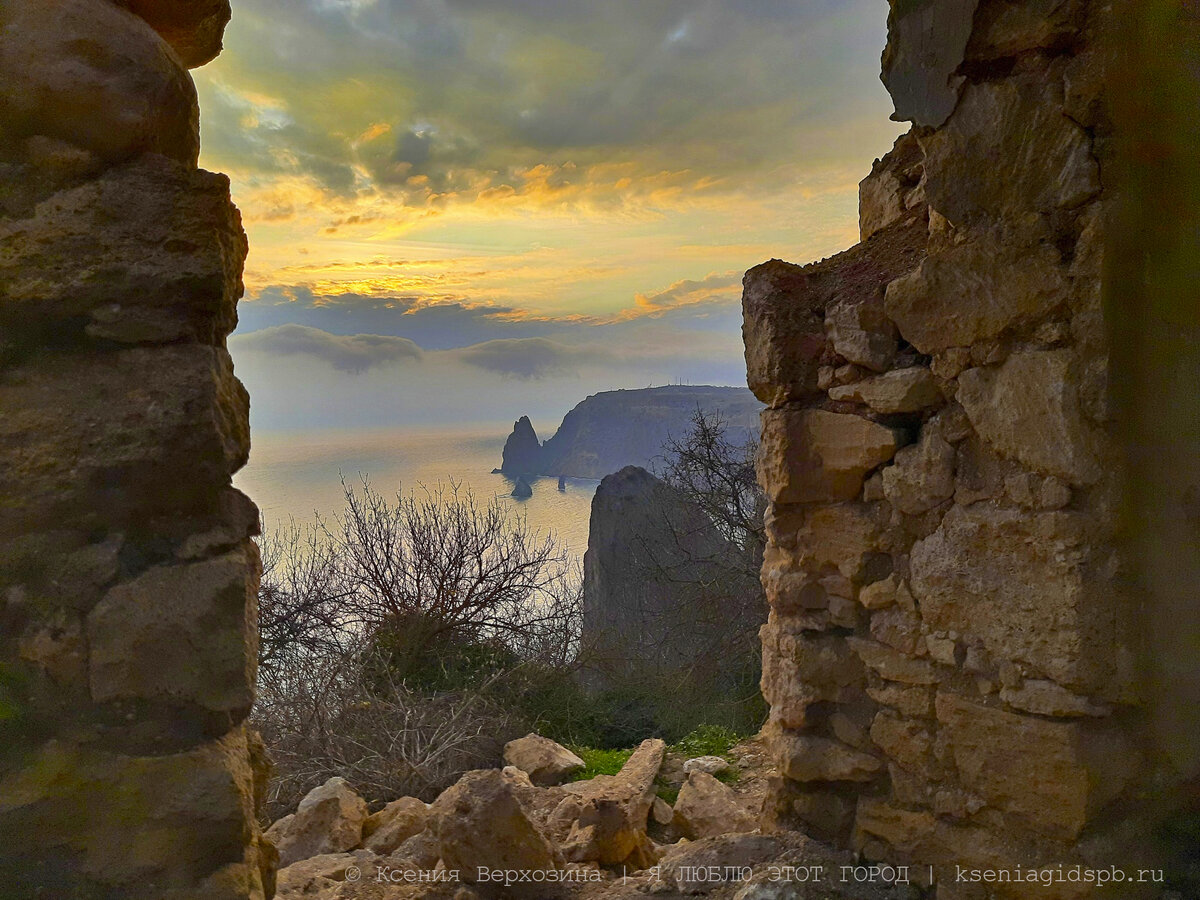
(295,474)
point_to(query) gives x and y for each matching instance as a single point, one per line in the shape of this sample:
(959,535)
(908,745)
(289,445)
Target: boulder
(1028,409)
(97,77)
(387,829)
(706,808)
(328,820)
(544,761)
(480,824)
(710,765)
(898,391)
(661,812)
(610,827)
(193,28)
(811,455)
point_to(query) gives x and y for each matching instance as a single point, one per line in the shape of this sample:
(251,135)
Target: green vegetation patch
(600,762)
(707,740)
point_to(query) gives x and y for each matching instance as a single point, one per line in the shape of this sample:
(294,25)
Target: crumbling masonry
(127,573)
(952,656)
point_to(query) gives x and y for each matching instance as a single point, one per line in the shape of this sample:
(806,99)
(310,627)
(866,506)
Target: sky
(469,210)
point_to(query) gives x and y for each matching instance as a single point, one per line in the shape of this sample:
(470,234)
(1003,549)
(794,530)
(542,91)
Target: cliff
(614,429)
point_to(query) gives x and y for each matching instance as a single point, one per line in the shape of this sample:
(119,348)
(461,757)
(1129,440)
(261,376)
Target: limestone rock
(1006,29)
(96,76)
(690,867)
(193,28)
(845,535)
(810,455)
(317,877)
(387,829)
(927,42)
(1019,119)
(810,757)
(152,426)
(709,765)
(883,195)
(893,665)
(1028,409)
(1028,593)
(898,391)
(1050,774)
(328,820)
(543,760)
(802,669)
(707,808)
(859,330)
(150,251)
(611,825)
(974,291)
(522,490)
(480,824)
(784,308)
(898,628)
(1045,698)
(522,451)
(911,700)
(661,812)
(922,476)
(201,613)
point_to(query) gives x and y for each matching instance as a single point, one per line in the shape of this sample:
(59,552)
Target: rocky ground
(528,831)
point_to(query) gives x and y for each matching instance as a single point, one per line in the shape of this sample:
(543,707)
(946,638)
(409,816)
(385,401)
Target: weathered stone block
(906,741)
(844,535)
(899,391)
(1029,409)
(784,310)
(1022,583)
(112,436)
(800,670)
(1006,28)
(1049,164)
(927,41)
(142,828)
(974,291)
(892,665)
(1050,774)
(181,635)
(882,195)
(807,757)
(193,28)
(922,475)
(96,76)
(150,251)
(810,455)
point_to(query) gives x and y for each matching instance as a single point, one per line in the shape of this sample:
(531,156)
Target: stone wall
(951,653)
(127,574)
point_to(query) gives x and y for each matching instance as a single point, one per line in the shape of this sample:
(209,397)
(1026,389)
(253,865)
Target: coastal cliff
(614,429)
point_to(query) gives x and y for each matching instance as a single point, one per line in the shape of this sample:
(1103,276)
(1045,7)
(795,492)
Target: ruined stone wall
(950,657)
(127,574)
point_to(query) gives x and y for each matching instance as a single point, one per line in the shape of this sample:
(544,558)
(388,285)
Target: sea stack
(523,489)
(522,450)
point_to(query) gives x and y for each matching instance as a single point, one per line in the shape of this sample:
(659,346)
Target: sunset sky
(470,209)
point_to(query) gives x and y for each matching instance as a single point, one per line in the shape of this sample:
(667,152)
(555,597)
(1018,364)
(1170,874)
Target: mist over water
(294,474)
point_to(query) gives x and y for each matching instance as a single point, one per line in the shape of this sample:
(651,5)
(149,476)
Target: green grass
(707,740)
(600,762)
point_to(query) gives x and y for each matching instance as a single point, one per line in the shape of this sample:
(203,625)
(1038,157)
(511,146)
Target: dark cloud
(529,358)
(355,353)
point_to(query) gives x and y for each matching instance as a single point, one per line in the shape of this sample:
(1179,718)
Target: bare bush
(393,636)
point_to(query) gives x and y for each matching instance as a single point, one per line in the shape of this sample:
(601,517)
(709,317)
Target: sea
(295,475)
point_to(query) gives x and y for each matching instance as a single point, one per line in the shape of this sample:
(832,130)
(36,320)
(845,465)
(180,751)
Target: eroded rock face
(384,831)
(96,76)
(193,28)
(948,626)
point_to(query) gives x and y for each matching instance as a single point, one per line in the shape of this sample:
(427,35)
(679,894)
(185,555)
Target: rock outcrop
(128,577)
(662,586)
(614,429)
(949,652)
(522,451)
